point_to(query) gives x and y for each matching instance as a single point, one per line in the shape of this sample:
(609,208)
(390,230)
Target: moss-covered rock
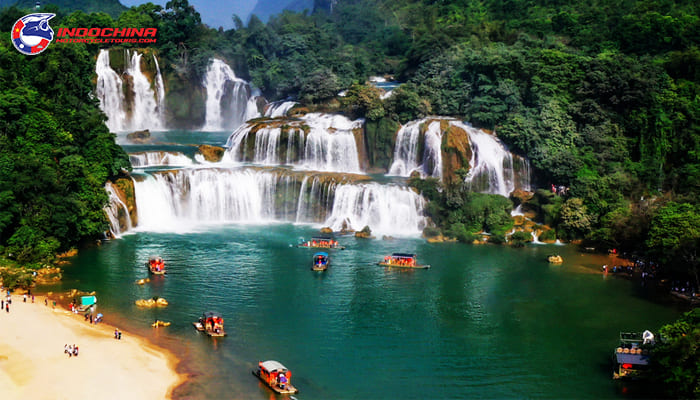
(143,136)
(211,153)
(124,187)
(456,151)
(379,144)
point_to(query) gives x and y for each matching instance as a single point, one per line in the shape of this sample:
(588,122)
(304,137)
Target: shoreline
(33,363)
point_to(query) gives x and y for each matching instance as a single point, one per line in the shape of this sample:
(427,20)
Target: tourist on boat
(282,380)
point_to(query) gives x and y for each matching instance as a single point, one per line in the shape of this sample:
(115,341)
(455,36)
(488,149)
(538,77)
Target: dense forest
(602,97)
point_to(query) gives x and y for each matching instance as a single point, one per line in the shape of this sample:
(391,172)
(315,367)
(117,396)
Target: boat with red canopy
(402,260)
(156,265)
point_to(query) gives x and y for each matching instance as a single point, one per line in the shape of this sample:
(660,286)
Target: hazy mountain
(264,9)
(111,7)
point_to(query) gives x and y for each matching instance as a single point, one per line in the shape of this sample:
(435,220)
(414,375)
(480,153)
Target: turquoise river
(483,322)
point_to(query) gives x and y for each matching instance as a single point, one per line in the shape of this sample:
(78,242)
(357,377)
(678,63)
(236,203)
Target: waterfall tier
(158,158)
(319,142)
(227,104)
(131,101)
(279,109)
(175,200)
(420,147)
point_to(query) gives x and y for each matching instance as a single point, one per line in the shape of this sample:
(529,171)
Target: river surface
(483,322)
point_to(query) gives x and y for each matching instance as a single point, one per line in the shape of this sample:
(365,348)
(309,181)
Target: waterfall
(160,92)
(158,158)
(251,107)
(492,167)
(406,150)
(320,142)
(129,103)
(227,97)
(406,154)
(535,238)
(110,93)
(182,199)
(145,104)
(279,109)
(386,209)
(116,210)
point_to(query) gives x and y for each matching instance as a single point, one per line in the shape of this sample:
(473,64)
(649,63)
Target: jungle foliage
(55,153)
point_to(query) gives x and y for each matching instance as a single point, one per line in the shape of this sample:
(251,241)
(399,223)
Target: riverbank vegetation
(603,98)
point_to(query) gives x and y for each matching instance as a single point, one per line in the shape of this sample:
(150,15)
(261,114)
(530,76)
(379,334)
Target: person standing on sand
(24,298)
(7,307)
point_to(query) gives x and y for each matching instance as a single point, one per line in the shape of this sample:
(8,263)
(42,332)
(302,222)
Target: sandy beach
(33,364)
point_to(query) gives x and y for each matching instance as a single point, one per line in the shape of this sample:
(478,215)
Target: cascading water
(406,154)
(146,111)
(182,199)
(160,92)
(386,209)
(110,93)
(227,97)
(492,168)
(117,213)
(406,151)
(323,142)
(279,109)
(158,158)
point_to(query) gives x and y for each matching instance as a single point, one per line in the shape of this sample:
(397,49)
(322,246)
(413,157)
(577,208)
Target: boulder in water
(326,230)
(365,233)
(211,153)
(140,136)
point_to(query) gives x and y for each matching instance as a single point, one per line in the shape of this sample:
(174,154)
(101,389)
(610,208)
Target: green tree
(675,361)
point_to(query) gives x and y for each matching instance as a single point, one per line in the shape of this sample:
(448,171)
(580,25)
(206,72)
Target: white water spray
(227,97)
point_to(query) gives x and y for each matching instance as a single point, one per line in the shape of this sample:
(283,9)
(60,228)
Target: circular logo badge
(32,34)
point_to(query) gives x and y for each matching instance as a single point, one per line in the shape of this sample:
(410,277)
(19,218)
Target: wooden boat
(211,323)
(402,260)
(156,266)
(321,243)
(276,376)
(321,262)
(631,358)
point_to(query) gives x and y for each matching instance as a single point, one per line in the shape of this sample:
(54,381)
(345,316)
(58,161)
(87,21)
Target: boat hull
(198,326)
(384,264)
(322,247)
(290,389)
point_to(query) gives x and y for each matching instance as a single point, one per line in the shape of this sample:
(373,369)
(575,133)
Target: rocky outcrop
(365,233)
(211,153)
(456,151)
(143,136)
(124,187)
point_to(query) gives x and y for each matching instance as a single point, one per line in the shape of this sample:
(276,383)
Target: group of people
(323,243)
(117,334)
(560,190)
(71,350)
(405,261)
